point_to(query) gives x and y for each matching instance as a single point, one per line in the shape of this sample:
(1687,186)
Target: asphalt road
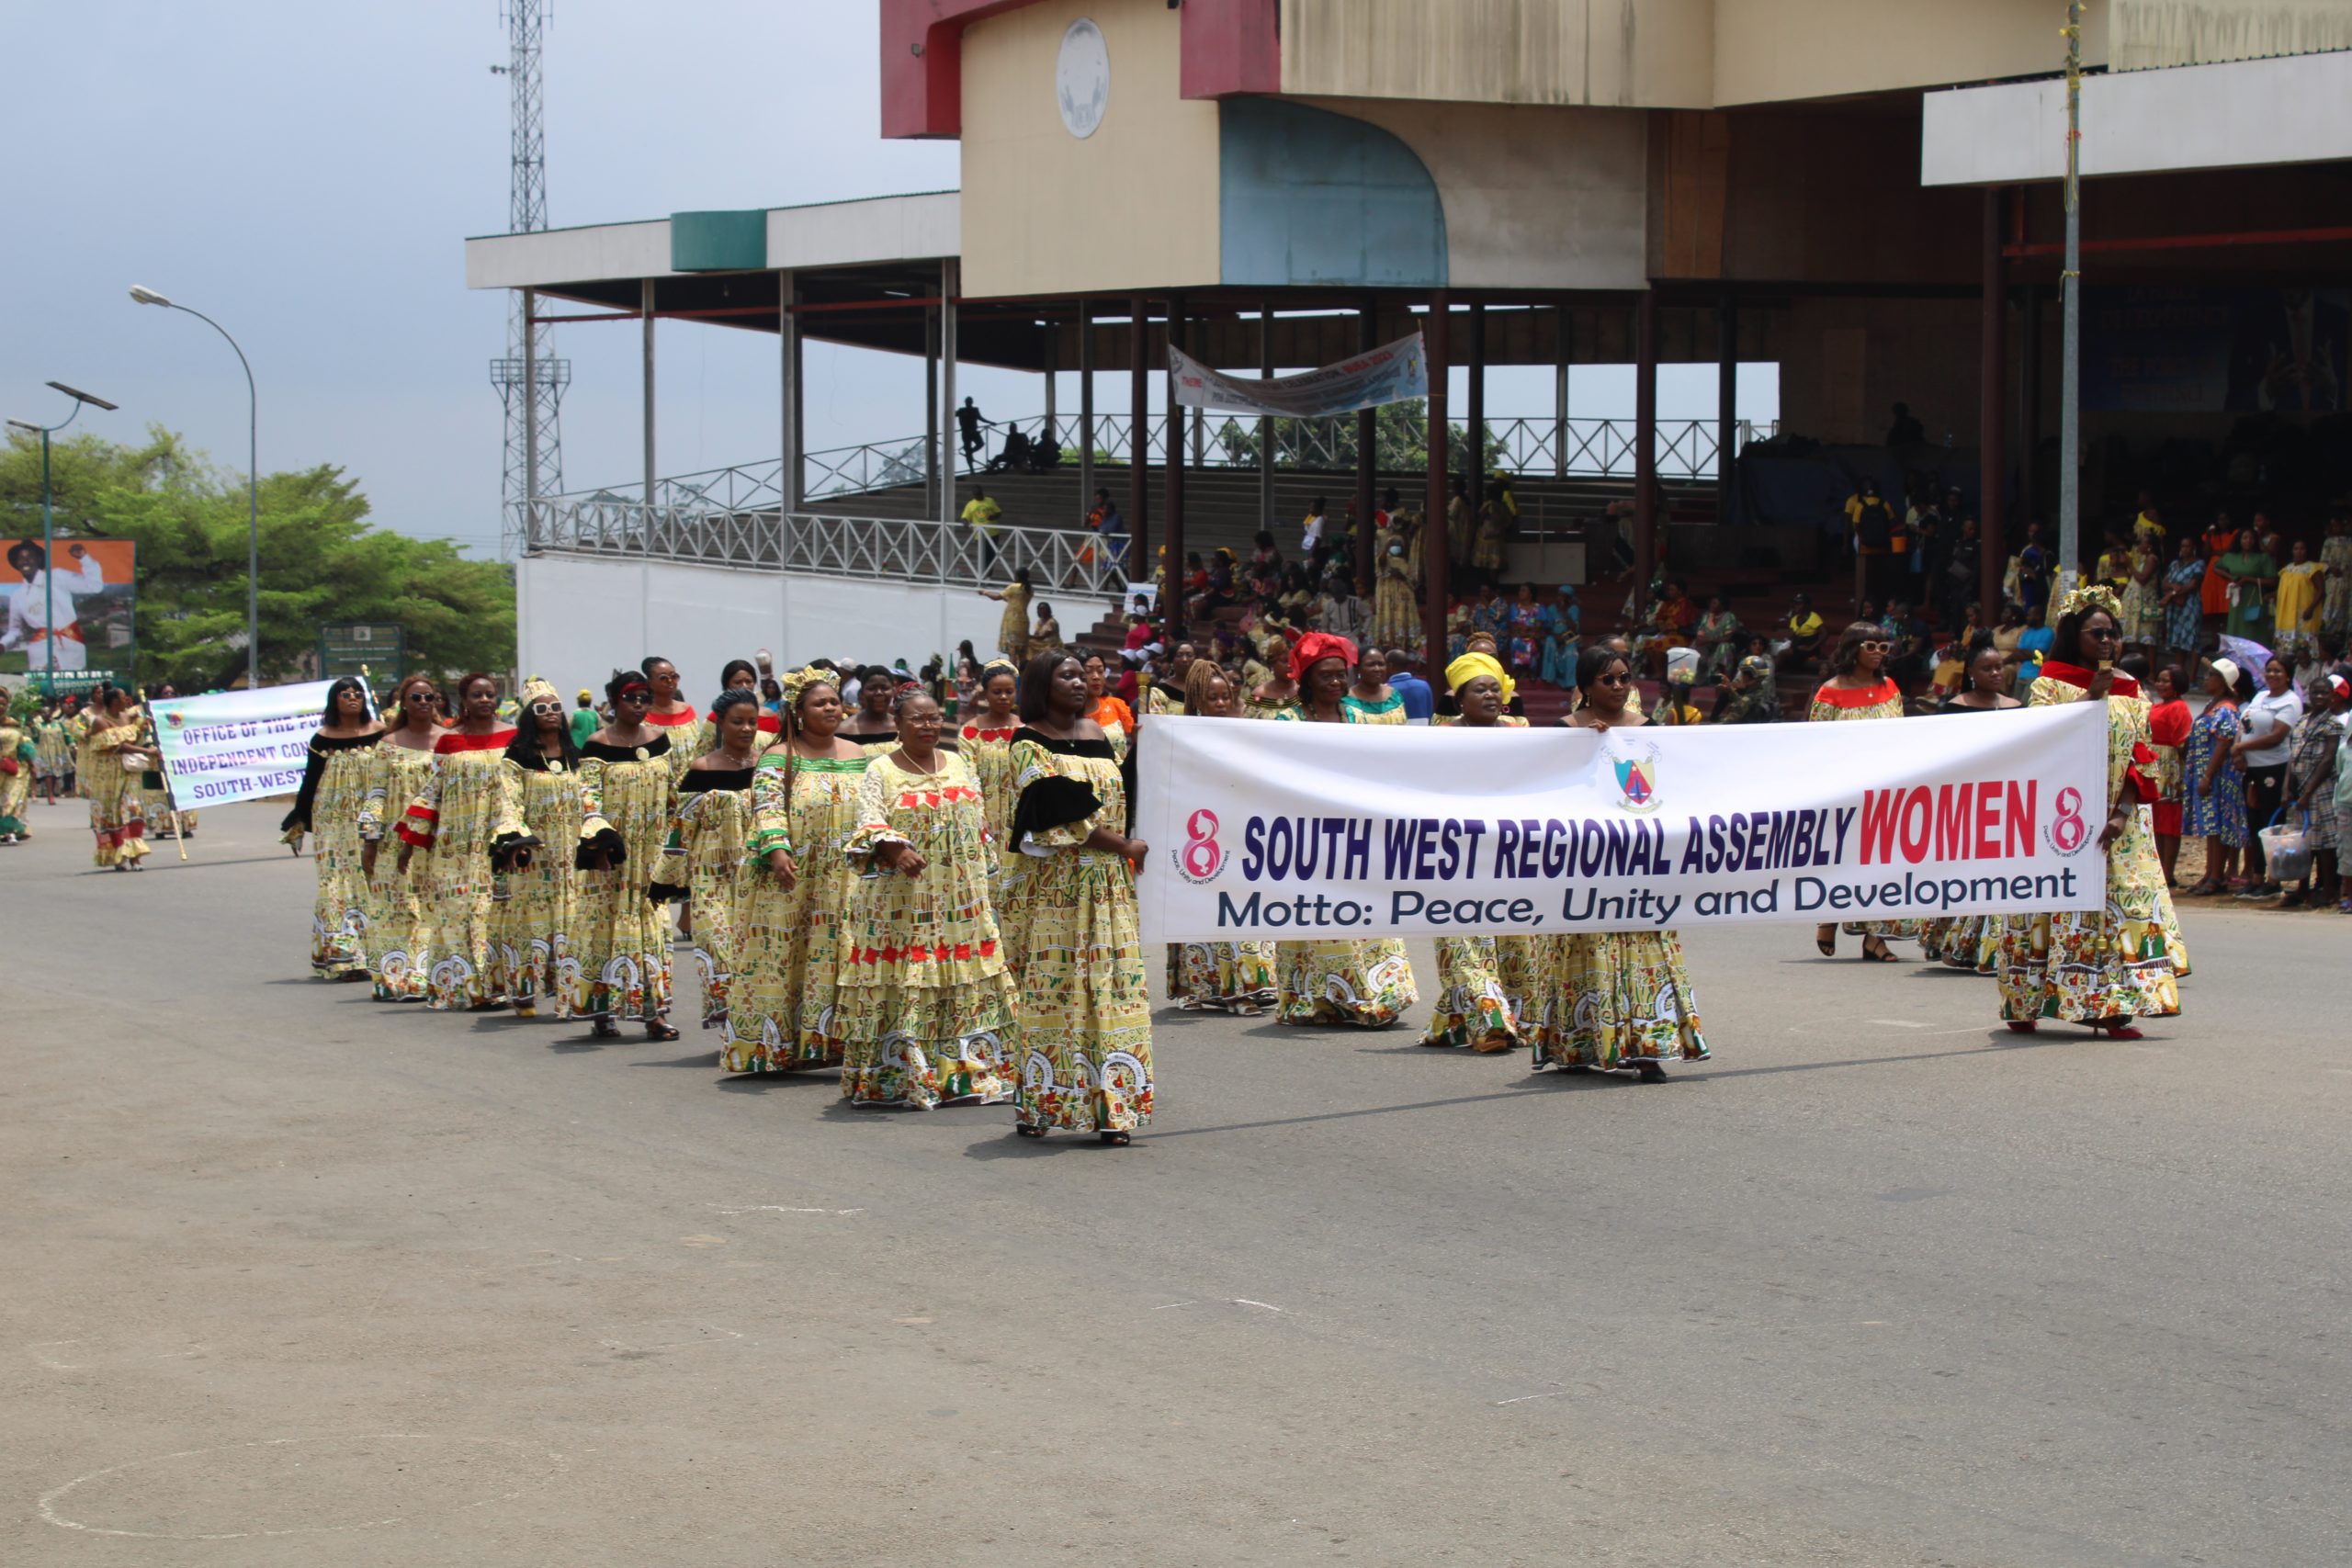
(297,1279)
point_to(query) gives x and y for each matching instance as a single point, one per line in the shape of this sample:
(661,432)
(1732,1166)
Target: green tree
(321,560)
(1400,437)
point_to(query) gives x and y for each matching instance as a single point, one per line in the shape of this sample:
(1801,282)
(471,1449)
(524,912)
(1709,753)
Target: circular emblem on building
(1082,78)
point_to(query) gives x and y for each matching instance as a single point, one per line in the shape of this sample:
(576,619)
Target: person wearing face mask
(398,954)
(2105,966)
(334,776)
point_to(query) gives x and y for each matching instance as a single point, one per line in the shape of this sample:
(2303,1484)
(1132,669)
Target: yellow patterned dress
(1833,705)
(708,859)
(784,1010)
(1367,983)
(2121,961)
(55,753)
(1483,982)
(1070,926)
(926,999)
(118,815)
(623,937)
(334,780)
(397,953)
(539,913)
(449,828)
(987,751)
(15,777)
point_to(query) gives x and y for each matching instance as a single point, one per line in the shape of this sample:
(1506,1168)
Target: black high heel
(1117,1139)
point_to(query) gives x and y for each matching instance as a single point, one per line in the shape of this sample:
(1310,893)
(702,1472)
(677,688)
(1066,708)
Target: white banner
(1392,373)
(1261,830)
(238,745)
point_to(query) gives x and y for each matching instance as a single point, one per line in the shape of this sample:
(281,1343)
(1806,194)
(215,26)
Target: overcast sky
(306,174)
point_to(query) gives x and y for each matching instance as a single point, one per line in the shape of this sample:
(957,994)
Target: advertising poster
(76,610)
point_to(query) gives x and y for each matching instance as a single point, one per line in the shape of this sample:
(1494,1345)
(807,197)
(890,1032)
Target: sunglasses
(545,710)
(1874,643)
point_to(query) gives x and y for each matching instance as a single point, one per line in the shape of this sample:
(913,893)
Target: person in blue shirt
(2033,647)
(1420,701)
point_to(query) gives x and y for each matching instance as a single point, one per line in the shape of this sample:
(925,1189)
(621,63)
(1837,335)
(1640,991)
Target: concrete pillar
(1172,525)
(1435,582)
(1727,403)
(931,473)
(789,482)
(1645,518)
(1367,453)
(1265,426)
(1992,532)
(949,282)
(1561,346)
(644,313)
(1476,458)
(1139,454)
(1086,403)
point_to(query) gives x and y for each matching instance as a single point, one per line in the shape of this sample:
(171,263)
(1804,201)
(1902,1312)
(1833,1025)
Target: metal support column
(1086,403)
(950,281)
(531,532)
(1367,456)
(645,309)
(2027,446)
(1265,426)
(1434,552)
(1727,403)
(1992,535)
(1139,460)
(931,445)
(1645,447)
(1172,525)
(1562,344)
(1474,460)
(790,484)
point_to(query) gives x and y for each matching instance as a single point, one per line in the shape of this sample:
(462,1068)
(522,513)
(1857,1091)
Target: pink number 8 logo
(1202,857)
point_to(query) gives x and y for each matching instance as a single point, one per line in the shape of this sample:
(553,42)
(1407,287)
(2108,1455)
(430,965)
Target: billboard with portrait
(72,613)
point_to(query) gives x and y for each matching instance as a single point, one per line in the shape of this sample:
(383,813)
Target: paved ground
(295,1278)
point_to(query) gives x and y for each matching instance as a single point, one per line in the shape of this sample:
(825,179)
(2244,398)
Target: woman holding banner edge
(1367,983)
(1860,688)
(1222,976)
(2100,967)
(1482,981)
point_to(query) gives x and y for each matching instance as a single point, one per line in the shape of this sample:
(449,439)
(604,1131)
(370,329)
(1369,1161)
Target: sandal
(2205,889)
(603,1027)
(1022,1129)
(2115,1029)
(2022,1026)
(1878,954)
(1651,1071)
(1828,944)
(660,1028)
(1114,1137)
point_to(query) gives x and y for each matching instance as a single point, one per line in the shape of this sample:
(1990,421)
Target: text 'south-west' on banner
(1392,373)
(1278,830)
(238,745)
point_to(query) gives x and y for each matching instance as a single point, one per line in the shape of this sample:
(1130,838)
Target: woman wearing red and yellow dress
(1069,921)
(926,999)
(986,745)
(2105,966)
(707,857)
(1859,688)
(783,1010)
(1222,976)
(463,821)
(397,953)
(1612,999)
(538,914)
(628,773)
(110,777)
(1367,983)
(668,713)
(1483,982)
(17,752)
(334,778)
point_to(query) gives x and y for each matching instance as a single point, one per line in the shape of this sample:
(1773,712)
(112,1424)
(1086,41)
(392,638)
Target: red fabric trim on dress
(455,740)
(2075,675)
(1858,696)
(672,720)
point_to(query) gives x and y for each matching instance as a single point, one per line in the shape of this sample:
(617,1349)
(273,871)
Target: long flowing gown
(1834,704)
(1961,942)
(783,1011)
(1482,981)
(2335,612)
(2122,959)
(118,814)
(2185,620)
(624,935)
(926,998)
(539,919)
(398,954)
(2218,811)
(16,785)
(334,780)
(1396,612)
(1069,927)
(1368,983)
(707,855)
(449,825)
(986,750)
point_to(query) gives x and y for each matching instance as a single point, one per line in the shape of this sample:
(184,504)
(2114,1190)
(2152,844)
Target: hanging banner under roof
(1394,373)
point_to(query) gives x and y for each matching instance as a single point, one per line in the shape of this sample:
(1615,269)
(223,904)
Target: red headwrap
(1316,646)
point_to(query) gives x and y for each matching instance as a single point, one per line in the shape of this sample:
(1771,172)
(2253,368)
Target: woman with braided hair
(783,1006)
(926,996)
(2100,967)
(628,773)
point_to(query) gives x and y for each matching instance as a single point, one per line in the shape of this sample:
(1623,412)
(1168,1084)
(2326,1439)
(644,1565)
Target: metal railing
(1531,448)
(895,549)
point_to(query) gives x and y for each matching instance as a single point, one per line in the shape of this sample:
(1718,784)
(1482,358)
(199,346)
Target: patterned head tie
(536,690)
(798,681)
(2092,596)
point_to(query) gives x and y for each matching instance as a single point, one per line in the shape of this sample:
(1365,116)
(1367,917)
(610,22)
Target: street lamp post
(253,486)
(49,525)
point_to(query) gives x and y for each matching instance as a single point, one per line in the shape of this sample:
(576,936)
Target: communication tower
(529,378)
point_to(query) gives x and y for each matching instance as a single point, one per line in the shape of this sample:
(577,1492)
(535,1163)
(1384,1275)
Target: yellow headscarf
(1470,666)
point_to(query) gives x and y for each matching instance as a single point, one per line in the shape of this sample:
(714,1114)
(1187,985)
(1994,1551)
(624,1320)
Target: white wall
(582,619)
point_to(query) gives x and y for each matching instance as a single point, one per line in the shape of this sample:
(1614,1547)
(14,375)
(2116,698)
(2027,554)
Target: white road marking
(1262,1306)
(1896,1023)
(780,1208)
(1523,1398)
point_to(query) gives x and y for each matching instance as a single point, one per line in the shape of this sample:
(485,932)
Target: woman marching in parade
(926,999)
(18,751)
(707,857)
(783,1010)
(628,772)
(397,955)
(2100,967)
(1614,999)
(1482,981)
(1969,941)
(986,745)
(462,821)
(1860,688)
(1368,983)
(111,779)
(334,780)
(538,918)
(1069,921)
(1222,976)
